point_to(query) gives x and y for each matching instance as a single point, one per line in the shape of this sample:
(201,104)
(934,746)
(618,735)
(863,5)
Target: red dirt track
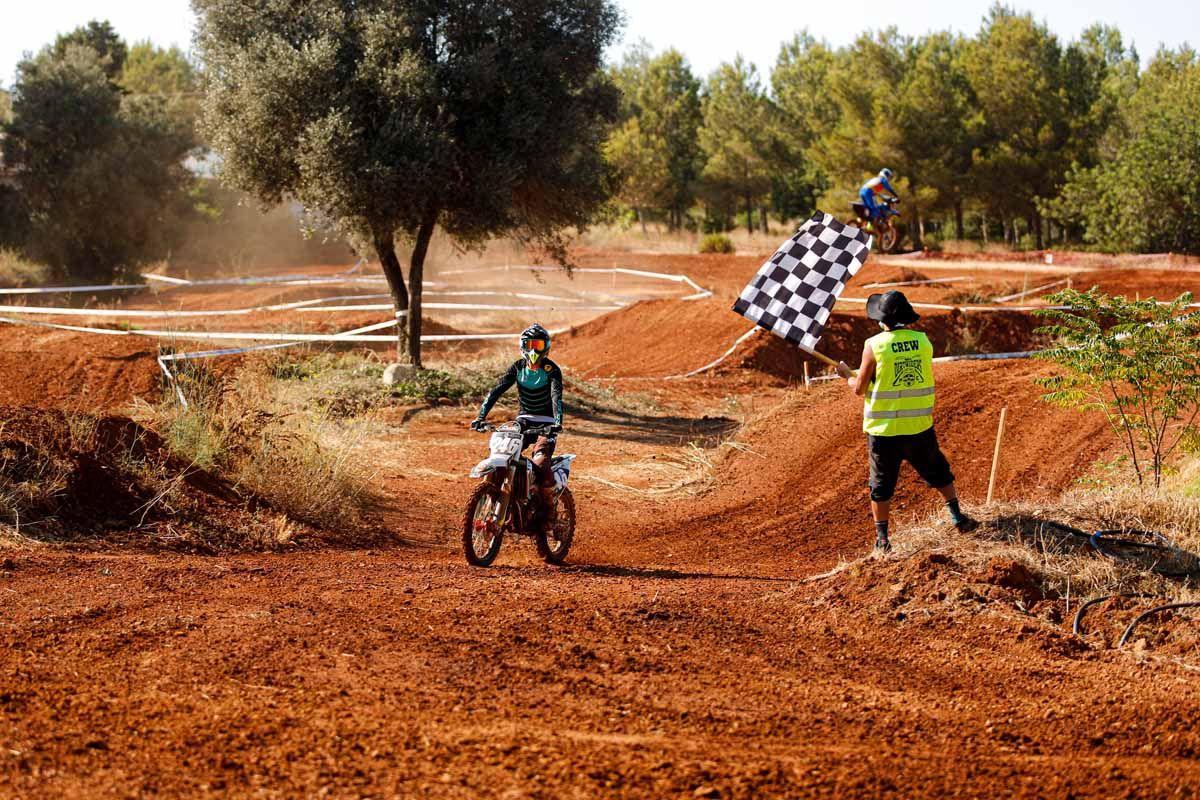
(691,647)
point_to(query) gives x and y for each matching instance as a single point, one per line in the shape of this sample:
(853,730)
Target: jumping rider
(895,380)
(871,190)
(539,392)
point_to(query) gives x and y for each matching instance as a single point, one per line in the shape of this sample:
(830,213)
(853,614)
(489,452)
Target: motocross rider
(872,189)
(539,391)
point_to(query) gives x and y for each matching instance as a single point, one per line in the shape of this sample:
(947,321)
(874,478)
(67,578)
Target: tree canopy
(1144,192)
(391,117)
(100,174)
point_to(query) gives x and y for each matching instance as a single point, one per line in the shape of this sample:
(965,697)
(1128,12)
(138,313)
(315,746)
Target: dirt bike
(887,234)
(507,499)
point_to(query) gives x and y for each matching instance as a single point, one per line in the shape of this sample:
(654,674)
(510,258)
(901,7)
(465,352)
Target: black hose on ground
(1169,606)
(1083,609)
(1173,563)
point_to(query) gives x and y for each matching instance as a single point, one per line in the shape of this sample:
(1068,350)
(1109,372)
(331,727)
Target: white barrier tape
(151,314)
(1028,292)
(231,351)
(674,278)
(518,295)
(75,289)
(166,279)
(988,356)
(458,307)
(251,280)
(75,328)
(294,338)
(727,354)
(914,283)
(973,309)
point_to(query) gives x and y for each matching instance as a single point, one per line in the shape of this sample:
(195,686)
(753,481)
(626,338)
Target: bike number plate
(506,443)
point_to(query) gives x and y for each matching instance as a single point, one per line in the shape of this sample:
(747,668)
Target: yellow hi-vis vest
(899,401)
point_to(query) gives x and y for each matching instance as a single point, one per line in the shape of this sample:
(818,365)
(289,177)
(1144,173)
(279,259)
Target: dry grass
(244,427)
(1067,565)
(17,271)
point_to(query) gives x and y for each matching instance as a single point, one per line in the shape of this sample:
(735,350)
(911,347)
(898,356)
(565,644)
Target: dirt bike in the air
(507,498)
(885,230)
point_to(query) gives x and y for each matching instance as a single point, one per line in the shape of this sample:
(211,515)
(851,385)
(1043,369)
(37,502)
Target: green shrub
(716,243)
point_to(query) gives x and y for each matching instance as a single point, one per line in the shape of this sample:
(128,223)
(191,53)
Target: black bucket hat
(891,309)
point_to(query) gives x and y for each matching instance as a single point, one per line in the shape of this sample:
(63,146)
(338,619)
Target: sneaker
(882,544)
(966,525)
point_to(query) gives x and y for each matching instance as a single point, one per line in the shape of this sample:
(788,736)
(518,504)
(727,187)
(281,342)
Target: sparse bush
(18,271)
(300,462)
(1137,362)
(716,243)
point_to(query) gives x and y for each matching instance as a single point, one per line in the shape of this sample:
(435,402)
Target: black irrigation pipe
(1083,609)
(1076,532)
(1099,538)
(1129,631)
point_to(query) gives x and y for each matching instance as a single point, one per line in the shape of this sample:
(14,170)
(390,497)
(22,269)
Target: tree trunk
(1035,226)
(385,248)
(641,219)
(762,219)
(920,245)
(749,215)
(960,231)
(416,275)
(983,223)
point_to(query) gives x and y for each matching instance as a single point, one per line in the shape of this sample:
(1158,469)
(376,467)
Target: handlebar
(540,430)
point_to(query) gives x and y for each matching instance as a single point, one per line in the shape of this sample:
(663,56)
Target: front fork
(506,490)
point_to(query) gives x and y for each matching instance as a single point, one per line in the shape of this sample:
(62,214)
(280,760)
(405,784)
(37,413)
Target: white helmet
(886,174)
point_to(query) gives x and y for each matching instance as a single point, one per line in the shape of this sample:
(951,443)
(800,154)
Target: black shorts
(921,450)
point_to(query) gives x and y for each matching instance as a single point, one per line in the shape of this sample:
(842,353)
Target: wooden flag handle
(823,357)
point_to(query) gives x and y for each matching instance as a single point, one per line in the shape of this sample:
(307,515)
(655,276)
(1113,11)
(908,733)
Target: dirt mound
(76,478)
(652,338)
(86,372)
(951,333)
(658,338)
(799,472)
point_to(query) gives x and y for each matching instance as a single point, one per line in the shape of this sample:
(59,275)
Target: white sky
(706,31)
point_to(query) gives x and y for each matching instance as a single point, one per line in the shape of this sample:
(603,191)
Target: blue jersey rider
(871,190)
(539,385)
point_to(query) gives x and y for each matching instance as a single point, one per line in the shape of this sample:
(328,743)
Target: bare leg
(881,510)
(949,492)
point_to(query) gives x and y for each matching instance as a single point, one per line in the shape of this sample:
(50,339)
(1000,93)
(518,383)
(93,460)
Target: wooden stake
(996,456)
(807,384)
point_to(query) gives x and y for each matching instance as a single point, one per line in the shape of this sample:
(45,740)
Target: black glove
(479,425)
(556,428)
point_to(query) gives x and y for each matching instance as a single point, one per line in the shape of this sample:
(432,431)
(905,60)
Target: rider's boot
(549,507)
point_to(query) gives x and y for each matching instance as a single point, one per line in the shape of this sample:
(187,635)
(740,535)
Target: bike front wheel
(482,528)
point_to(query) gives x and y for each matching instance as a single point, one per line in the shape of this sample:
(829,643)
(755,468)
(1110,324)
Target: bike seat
(535,419)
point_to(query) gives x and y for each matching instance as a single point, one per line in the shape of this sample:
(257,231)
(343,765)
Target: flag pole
(823,357)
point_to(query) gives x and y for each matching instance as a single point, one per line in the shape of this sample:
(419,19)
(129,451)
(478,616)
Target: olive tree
(394,117)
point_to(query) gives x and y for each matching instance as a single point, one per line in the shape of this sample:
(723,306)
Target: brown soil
(79,479)
(691,647)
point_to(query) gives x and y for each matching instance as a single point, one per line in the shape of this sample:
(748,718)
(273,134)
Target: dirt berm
(108,480)
(668,337)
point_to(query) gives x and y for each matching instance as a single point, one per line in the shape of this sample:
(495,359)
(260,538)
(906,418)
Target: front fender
(489,465)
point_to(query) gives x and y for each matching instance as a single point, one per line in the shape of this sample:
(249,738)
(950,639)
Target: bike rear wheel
(889,237)
(482,529)
(553,545)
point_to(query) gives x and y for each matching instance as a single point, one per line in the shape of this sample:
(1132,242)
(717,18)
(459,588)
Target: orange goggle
(536,345)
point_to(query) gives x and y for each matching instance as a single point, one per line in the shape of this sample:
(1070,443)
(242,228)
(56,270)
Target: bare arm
(866,372)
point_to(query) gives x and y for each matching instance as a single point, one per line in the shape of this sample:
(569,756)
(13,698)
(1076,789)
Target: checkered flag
(793,293)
